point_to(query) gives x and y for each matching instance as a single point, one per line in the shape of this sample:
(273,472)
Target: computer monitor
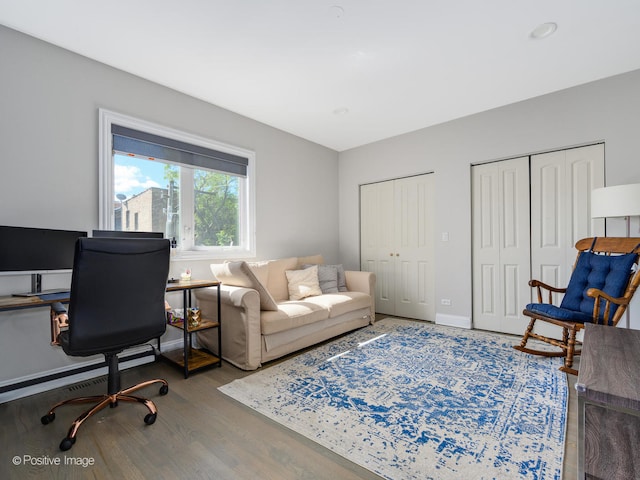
(126,234)
(26,250)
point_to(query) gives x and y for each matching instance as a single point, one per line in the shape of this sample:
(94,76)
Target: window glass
(216,209)
(204,209)
(149,190)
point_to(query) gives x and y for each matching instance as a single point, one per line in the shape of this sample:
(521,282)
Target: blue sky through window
(133,175)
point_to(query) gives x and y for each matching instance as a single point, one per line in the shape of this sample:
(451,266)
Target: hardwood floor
(199,434)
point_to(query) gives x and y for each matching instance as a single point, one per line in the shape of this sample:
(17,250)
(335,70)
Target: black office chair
(117,301)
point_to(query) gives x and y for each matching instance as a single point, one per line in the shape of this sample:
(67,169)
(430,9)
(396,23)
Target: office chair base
(102,401)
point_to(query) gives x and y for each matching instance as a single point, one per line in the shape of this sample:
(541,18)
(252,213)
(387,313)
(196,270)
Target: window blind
(128,140)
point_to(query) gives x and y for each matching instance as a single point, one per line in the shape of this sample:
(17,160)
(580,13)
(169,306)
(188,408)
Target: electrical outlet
(445,301)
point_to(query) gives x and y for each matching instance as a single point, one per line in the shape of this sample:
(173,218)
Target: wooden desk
(10,303)
(18,303)
(608,389)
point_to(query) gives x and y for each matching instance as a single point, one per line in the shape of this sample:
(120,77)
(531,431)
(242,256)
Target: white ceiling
(396,65)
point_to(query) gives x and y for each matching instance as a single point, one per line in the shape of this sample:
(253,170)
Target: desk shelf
(203,325)
(196,358)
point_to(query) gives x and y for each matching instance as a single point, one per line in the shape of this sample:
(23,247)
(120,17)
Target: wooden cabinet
(608,389)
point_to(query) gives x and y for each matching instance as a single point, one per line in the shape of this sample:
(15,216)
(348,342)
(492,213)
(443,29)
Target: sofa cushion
(278,285)
(327,277)
(607,273)
(261,271)
(292,314)
(239,274)
(309,260)
(340,303)
(303,283)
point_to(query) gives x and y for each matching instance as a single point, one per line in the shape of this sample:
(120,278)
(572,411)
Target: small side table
(608,389)
(189,358)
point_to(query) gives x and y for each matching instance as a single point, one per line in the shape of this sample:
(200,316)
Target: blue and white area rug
(413,400)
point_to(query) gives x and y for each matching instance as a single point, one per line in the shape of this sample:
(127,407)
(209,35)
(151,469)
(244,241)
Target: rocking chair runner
(604,279)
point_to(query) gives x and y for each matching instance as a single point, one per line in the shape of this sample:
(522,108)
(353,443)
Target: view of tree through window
(216,208)
(156,192)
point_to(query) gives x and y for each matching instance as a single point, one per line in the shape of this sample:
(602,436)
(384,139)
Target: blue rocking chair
(604,279)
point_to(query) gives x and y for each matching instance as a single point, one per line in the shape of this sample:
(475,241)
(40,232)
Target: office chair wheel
(164,389)
(67,443)
(150,418)
(48,418)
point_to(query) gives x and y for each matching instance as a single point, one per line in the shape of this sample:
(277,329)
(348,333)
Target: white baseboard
(79,377)
(453,320)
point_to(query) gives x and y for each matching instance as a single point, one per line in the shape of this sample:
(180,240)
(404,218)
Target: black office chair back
(117,294)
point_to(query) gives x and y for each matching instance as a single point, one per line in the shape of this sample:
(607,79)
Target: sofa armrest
(364,282)
(357,281)
(240,324)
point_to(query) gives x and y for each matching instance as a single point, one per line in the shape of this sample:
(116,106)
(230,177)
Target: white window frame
(187,251)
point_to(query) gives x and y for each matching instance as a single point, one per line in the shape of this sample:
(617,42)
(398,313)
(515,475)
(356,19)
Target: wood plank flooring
(199,434)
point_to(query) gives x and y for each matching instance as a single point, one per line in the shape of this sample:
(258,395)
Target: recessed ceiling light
(341,111)
(336,11)
(544,30)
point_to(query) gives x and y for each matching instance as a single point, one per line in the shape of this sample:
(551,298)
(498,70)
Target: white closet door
(561,209)
(396,243)
(501,253)
(377,247)
(414,247)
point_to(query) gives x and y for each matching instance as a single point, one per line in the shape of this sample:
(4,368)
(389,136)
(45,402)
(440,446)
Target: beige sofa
(273,308)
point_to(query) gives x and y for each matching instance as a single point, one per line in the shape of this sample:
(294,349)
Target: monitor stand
(36,288)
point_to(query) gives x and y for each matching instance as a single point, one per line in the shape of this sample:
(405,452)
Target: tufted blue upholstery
(607,273)
(559,313)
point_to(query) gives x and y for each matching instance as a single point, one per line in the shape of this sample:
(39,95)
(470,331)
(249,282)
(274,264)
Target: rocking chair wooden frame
(602,302)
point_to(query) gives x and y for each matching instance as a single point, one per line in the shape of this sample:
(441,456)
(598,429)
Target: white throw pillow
(303,283)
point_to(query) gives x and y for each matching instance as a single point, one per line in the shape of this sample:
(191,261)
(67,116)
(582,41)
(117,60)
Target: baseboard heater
(74,371)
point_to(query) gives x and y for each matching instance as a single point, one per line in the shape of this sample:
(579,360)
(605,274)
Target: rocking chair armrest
(538,283)
(597,294)
(541,285)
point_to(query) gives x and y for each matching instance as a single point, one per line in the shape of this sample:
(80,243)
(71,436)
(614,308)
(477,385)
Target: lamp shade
(616,201)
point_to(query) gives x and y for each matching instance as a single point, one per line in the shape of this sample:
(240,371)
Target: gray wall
(49,100)
(606,110)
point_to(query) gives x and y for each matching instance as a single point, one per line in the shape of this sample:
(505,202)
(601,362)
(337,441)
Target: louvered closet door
(501,253)
(561,209)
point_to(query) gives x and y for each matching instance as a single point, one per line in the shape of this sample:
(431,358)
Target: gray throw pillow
(327,277)
(342,279)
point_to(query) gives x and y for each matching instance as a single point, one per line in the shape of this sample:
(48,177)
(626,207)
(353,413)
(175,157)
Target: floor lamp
(616,202)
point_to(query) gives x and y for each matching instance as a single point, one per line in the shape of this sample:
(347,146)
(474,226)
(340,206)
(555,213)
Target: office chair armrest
(601,297)
(539,286)
(59,321)
(58,308)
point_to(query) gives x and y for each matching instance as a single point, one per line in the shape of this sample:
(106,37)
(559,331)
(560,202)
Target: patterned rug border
(393,467)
